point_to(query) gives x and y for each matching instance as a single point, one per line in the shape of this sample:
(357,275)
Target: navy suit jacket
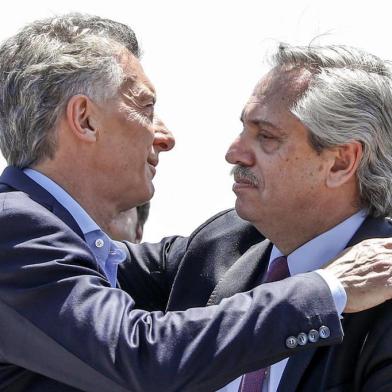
(362,362)
(63,328)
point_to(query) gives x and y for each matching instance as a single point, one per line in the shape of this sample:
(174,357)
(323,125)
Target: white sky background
(204,58)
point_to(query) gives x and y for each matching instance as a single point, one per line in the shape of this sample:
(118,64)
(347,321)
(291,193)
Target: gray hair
(349,97)
(43,66)
(142,213)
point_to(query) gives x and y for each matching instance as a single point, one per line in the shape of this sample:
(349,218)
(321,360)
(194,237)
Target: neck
(291,234)
(85,189)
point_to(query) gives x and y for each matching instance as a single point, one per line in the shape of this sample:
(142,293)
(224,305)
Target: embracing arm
(64,321)
(148,272)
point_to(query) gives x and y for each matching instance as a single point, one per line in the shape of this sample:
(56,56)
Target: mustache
(243,173)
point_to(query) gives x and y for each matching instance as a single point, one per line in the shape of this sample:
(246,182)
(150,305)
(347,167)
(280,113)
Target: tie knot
(277,270)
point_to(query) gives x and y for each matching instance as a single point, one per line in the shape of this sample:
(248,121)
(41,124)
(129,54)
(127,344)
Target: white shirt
(310,257)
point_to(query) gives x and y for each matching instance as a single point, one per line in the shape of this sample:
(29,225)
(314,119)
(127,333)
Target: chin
(151,191)
(138,196)
(147,195)
(243,211)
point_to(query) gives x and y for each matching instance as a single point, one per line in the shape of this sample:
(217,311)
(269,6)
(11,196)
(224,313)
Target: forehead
(273,96)
(279,88)
(135,78)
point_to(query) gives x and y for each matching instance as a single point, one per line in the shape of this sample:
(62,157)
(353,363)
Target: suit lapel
(244,273)
(372,228)
(15,178)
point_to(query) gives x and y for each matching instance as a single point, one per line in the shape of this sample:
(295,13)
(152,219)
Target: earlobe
(80,118)
(345,164)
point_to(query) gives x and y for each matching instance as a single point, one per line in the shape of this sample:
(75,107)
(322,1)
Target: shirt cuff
(338,293)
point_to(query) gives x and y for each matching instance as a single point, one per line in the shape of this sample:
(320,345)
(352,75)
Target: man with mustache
(76,127)
(313,175)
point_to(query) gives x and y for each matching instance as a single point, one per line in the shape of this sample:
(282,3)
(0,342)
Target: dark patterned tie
(253,381)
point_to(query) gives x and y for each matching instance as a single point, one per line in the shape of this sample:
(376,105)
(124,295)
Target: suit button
(313,336)
(291,342)
(302,339)
(324,332)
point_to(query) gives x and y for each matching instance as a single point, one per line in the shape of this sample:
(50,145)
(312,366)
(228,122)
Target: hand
(365,271)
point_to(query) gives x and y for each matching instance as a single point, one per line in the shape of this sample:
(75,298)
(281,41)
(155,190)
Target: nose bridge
(240,151)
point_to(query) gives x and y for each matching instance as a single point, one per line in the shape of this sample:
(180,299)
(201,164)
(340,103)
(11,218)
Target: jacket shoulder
(229,227)
(18,206)
(34,229)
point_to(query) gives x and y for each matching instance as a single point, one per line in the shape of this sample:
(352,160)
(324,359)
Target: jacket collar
(15,178)
(244,273)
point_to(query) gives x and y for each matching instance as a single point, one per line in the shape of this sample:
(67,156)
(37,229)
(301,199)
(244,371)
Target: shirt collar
(107,253)
(85,222)
(318,251)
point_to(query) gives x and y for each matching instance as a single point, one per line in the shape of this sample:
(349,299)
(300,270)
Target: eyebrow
(143,94)
(261,122)
(147,91)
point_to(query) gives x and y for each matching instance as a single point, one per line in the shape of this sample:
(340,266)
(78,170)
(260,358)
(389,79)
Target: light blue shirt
(309,257)
(106,252)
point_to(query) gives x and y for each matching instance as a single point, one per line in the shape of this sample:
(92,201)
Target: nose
(163,138)
(239,153)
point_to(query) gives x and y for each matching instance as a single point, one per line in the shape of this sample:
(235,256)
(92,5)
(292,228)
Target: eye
(149,111)
(265,136)
(268,142)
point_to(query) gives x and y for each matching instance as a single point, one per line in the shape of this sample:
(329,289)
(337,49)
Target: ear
(344,164)
(80,118)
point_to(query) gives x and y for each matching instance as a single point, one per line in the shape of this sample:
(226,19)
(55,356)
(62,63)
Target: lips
(152,163)
(152,169)
(243,181)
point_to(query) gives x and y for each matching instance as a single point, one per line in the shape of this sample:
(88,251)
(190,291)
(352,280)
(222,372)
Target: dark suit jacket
(63,328)
(363,362)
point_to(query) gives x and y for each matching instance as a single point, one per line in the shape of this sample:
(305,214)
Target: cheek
(136,152)
(288,174)
(306,175)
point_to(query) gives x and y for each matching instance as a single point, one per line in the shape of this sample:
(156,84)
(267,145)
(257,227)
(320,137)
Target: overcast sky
(204,58)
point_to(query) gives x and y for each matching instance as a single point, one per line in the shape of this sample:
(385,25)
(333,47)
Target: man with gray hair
(76,127)
(313,174)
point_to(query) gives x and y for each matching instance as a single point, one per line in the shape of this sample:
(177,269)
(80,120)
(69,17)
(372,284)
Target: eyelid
(266,135)
(148,100)
(140,98)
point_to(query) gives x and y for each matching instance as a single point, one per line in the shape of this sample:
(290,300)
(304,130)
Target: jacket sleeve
(60,318)
(148,272)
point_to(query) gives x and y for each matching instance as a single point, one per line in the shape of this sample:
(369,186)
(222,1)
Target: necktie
(253,381)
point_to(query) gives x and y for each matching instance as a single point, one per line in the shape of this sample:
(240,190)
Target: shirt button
(291,342)
(324,332)
(99,243)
